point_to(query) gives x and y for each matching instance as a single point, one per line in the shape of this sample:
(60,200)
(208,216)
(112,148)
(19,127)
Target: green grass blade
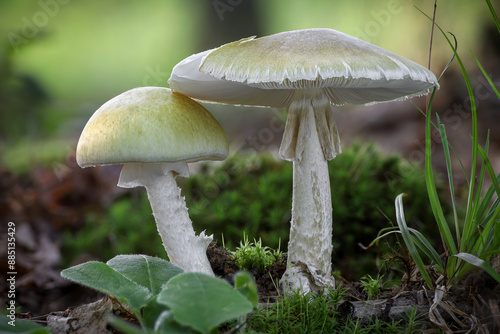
(400,218)
(474,260)
(487,163)
(496,235)
(491,211)
(471,227)
(432,191)
(446,150)
(382,234)
(493,14)
(449,144)
(486,76)
(490,229)
(418,239)
(423,244)
(485,205)
(470,198)
(471,201)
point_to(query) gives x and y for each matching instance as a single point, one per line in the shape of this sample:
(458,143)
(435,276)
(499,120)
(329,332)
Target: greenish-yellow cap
(149,125)
(265,71)
(311,58)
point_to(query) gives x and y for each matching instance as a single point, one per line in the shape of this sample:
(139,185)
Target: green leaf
(160,319)
(245,285)
(474,260)
(21,326)
(148,271)
(101,277)
(127,327)
(203,302)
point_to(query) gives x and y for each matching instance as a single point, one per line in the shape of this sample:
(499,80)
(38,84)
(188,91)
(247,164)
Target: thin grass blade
(493,14)
(382,234)
(446,150)
(400,218)
(423,244)
(486,76)
(470,198)
(487,163)
(432,191)
(474,260)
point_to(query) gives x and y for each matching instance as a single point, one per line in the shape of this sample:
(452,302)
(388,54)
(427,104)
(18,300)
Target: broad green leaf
(21,326)
(474,260)
(127,327)
(158,318)
(101,277)
(203,302)
(245,285)
(148,271)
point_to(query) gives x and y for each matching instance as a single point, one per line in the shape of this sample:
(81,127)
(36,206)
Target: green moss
(252,255)
(253,193)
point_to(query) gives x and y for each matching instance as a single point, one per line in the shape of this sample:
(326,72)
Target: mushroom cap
(150,125)
(265,71)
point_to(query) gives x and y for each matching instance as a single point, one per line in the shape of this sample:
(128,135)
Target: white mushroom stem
(183,247)
(310,138)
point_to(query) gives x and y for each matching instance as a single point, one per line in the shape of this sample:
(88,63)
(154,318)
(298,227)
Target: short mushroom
(306,71)
(155,132)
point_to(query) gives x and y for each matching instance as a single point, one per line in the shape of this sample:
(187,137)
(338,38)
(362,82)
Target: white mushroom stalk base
(310,138)
(184,248)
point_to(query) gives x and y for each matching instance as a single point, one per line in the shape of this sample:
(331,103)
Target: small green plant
(163,297)
(371,286)
(321,313)
(252,255)
(475,239)
(299,313)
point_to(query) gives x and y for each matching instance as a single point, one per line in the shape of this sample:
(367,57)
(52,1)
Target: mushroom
(307,71)
(155,132)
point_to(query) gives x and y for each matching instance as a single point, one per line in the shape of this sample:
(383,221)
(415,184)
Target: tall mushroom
(306,71)
(155,132)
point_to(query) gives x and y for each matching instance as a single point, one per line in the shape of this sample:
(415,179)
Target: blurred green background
(68,57)
(60,60)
